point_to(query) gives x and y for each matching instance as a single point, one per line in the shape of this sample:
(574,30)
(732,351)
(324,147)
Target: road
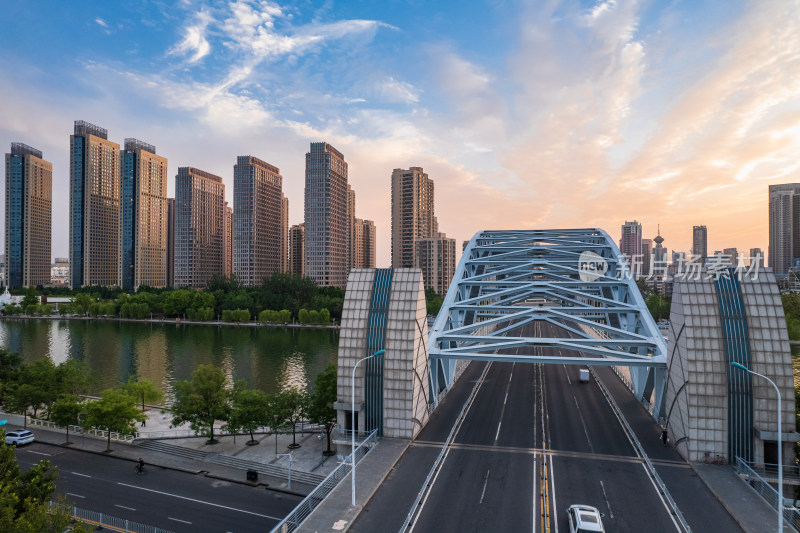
(168,499)
(534,441)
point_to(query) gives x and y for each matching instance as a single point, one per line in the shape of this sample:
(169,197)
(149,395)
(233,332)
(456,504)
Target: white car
(584,519)
(20,437)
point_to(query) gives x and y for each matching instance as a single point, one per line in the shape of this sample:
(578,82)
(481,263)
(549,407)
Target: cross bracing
(507,282)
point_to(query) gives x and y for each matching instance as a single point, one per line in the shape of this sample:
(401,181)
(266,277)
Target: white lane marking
(608,505)
(580,415)
(82,475)
(533,529)
(179,520)
(39,453)
(503,410)
(123,507)
(200,501)
(76,495)
(565,371)
(553,513)
(485,482)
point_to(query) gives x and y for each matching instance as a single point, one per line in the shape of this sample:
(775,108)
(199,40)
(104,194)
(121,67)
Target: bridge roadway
(534,441)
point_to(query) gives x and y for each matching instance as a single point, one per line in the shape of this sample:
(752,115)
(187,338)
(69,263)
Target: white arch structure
(574,279)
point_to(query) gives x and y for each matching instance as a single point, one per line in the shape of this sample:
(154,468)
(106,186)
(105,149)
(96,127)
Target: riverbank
(173,321)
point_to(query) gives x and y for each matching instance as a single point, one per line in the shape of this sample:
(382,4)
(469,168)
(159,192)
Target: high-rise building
(326,218)
(784,226)
(436,257)
(647,253)
(170,242)
(144,216)
(731,254)
(351,227)
(227,241)
(284,234)
(94,207)
(631,246)
(363,244)
(199,220)
(257,220)
(29,213)
(757,257)
(412,213)
(297,249)
(700,242)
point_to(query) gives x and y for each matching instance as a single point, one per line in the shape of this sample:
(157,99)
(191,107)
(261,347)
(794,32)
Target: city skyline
(592,113)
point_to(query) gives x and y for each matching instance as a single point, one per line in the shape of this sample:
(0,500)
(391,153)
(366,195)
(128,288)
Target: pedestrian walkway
(229,459)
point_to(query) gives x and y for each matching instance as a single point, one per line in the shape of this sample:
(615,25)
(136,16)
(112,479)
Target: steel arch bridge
(576,280)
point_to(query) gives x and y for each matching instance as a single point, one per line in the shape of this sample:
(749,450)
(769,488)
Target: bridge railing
(102,520)
(791,515)
(318,495)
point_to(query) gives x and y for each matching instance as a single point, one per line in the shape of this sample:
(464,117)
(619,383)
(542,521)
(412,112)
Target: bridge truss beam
(574,280)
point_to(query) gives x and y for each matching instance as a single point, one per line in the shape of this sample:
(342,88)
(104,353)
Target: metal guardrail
(318,495)
(102,520)
(440,459)
(791,515)
(78,430)
(640,450)
(769,471)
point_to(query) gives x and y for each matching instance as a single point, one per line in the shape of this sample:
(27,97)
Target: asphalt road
(534,441)
(167,499)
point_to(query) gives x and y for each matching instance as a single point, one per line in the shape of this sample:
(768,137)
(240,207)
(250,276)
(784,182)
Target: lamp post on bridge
(780,447)
(353,428)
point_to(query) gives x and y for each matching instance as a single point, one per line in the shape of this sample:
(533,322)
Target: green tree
(113,412)
(250,410)
(82,302)
(24,498)
(65,411)
(35,388)
(321,409)
(433,302)
(201,401)
(302,316)
(31,298)
(143,390)
(658,306)
(176,302)
(10,368)
(292,407)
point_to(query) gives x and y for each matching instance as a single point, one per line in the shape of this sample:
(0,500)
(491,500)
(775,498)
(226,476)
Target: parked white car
(584,519)
(20,437)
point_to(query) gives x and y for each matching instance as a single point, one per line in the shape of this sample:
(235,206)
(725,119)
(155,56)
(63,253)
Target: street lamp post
(353,427)
(275,430)
(291,458)
(780,447)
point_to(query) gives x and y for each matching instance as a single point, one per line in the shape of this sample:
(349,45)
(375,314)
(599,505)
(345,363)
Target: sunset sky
(525,114)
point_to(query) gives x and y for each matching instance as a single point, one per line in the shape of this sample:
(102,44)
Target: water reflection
(269,359)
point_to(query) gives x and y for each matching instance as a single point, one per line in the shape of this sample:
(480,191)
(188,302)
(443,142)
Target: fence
(101,520)
(791,515)
(79,430)
(313,500)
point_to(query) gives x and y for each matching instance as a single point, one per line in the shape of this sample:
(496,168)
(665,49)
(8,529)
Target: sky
(526,114)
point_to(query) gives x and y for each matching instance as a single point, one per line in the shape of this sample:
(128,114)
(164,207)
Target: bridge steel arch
(574,279)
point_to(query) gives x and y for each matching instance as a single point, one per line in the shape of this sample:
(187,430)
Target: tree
(113,412)
(36,388)
(249,410)
(321,409)
(433,302)
(143,389)
(177,302)
(292,407)
(10,367)
(82,302)
(65,411)
(31,298)
(24,498)
(201,401)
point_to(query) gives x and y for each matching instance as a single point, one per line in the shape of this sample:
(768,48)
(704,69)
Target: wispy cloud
(194,42)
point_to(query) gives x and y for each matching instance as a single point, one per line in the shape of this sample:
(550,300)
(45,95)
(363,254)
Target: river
(267,358)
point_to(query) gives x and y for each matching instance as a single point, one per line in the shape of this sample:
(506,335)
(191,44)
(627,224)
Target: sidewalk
(747,508)
(193,455)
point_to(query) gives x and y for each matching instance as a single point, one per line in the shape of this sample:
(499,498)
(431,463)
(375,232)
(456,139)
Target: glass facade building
(28,217)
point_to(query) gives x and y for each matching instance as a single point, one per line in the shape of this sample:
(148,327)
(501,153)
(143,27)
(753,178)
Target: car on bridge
(584,519)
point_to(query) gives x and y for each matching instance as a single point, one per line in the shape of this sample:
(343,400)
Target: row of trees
(281,292)
(208,398)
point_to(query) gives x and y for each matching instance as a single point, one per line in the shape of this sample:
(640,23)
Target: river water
(267,358)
